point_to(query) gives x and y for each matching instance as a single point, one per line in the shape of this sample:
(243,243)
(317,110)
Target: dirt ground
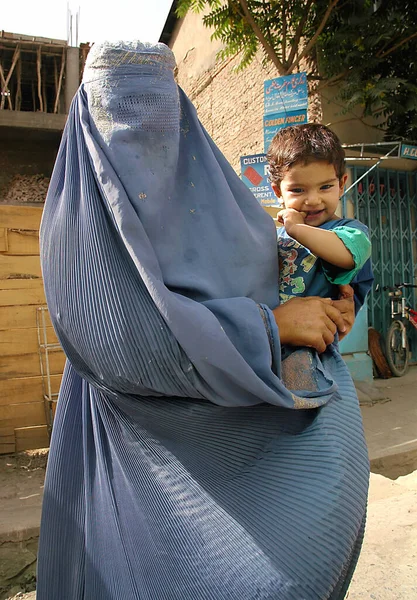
(21,474)
(387,567)
(21,486)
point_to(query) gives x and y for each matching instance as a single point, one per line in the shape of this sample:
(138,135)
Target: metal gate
(386,201)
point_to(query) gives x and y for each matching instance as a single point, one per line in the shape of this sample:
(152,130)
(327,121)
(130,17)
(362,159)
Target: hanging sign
(286,94)
(408,151)
(254,171)
(275,122)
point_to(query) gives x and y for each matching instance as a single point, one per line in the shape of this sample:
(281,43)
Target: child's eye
(296,190)
(328,186)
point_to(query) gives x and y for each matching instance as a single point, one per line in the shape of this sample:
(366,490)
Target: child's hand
(289,217)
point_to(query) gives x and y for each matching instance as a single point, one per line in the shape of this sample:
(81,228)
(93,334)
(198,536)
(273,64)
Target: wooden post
(44,97)
(55,74)
(38,69)
(3,85)
(18,99)
(33,97)
(6,81)
(3,89)
(61,75)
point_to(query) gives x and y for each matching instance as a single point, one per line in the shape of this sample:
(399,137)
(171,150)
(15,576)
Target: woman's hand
(312,321)
(346,306)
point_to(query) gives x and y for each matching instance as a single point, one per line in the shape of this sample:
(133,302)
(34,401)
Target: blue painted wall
(355,346)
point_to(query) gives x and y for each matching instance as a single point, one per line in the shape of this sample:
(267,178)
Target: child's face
(313,188)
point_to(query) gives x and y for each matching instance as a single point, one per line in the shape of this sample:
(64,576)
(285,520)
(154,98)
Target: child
(317,250)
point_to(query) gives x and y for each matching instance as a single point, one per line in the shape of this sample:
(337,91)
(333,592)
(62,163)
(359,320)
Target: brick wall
(230,105)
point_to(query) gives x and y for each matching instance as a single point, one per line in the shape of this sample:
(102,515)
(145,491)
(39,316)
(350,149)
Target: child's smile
(314,215)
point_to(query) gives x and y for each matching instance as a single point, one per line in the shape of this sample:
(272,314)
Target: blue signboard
(286,94)
(408,151)
(275,122)
(254,170)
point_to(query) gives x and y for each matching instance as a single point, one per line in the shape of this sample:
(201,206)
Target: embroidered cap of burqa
(179,466)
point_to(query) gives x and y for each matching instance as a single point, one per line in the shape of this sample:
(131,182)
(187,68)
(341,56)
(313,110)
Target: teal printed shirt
(303,274)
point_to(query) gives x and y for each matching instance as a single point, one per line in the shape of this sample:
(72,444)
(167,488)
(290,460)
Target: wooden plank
(13,267)
(7,439)
(20,217)
(27,365)
(23,241)
(23,341)
(3,239)
(21,284)
(22,291)
(20,317)
(31,438)
(26,389)
(7,447)
(6,431)
(22,297)
(25,414)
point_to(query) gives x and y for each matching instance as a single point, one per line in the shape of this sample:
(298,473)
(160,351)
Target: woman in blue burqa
(189,459)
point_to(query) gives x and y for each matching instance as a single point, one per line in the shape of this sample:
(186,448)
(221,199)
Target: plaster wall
(349,126)
(194,51)
(72,76)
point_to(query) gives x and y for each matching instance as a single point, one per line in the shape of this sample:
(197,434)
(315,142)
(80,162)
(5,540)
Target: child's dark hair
(304,144)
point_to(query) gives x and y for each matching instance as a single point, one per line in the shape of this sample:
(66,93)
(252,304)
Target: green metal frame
(386,201)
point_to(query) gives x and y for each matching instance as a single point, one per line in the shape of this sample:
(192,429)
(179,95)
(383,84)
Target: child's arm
(321,242)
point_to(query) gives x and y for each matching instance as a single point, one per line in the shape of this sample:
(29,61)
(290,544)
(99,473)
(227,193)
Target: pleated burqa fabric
(189,460)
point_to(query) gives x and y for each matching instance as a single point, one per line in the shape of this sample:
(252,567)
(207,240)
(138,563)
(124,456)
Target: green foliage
(277,20)
(366,47)
(374,46)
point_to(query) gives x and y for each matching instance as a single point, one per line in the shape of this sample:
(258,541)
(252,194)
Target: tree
(371,50)
(365,47)
(286,30)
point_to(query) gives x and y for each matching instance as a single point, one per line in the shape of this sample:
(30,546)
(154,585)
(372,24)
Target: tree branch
(268,29)
(298,34)
(410,37)
(270,52)
(357,118)
(332,80)
(313,40)
(380,127)
(284,33)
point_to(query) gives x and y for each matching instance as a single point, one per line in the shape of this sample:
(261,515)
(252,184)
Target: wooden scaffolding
(32,73)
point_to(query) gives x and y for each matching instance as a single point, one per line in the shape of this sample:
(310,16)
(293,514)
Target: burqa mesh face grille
(150,112)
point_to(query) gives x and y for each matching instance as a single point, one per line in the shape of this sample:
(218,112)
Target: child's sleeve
(358,243)
(362,284)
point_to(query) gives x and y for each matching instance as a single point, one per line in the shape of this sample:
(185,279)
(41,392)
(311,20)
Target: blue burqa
(189,460)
